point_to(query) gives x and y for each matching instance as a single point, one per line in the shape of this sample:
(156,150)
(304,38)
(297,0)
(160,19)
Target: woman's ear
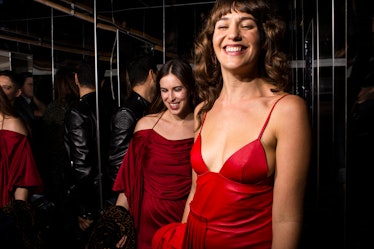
(152,75)
(76,79)
(18,92)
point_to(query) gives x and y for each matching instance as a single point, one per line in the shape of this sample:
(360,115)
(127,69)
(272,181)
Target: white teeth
(233,49)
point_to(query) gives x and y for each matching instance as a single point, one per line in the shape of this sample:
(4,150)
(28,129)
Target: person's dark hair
(66,91)
(138,69)
(86,74)
(23,76)
(14,78)
(6,107)
(273,63)
(183,71)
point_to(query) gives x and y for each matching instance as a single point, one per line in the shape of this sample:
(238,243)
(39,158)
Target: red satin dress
(17,166)
(231,208)
(155,176)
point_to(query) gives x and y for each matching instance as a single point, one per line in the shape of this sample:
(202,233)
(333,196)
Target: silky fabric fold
(17,166)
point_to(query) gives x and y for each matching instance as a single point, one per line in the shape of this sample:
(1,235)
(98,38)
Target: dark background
(143,25)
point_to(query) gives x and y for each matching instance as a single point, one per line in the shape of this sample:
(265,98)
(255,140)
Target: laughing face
(236,42)
(174,95)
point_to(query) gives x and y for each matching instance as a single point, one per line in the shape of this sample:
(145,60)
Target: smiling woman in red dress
(251,153)
(155,176)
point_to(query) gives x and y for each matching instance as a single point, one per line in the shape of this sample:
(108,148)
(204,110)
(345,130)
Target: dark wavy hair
(14,78)
(183,71)
(66,91)
(273,63)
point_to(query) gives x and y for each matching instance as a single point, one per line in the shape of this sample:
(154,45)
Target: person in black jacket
(141,72)
(83,175)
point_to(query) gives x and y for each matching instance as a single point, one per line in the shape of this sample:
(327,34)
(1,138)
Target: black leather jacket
(122,128)
(80,141)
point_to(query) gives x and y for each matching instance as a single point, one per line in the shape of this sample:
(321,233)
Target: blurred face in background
(9,88)
(28,87)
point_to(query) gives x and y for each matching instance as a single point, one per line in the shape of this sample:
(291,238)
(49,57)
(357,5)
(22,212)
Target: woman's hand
(121,242)
(21,194)
(84,223)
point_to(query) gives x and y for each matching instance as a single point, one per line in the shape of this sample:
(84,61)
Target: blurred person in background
(142,72)
(54,153)
(82,176)
(19,179)
(10,84)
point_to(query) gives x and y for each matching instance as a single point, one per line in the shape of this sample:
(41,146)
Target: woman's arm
(194,176)
(122,201)
(21,194)
(190,197)
(291,173)
(40,107)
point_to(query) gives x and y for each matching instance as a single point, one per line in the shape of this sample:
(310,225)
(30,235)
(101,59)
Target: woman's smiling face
(174,95)
(236,40)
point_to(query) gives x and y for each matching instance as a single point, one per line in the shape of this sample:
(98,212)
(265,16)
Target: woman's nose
(234,33)
(171,96)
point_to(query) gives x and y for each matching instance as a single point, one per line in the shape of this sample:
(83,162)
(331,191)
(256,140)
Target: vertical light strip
(318,100)
(118,72)
(98,114)
(333,72)
(52,55)
(346,116)
(163,32)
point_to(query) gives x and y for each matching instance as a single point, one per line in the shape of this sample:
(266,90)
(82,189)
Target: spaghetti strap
(267,119)
(158,120)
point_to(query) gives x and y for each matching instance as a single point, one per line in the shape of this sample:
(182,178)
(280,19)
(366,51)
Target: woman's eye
(221,27)
(248,26)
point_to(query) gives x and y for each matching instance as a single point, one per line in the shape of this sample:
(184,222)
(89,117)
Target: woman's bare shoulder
(147,122)
(294,108)
(14,124)
(292,103)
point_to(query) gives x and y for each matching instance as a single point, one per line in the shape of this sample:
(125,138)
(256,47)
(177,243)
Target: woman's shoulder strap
(269,115)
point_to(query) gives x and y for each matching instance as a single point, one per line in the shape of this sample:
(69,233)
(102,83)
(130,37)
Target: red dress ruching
(155,176)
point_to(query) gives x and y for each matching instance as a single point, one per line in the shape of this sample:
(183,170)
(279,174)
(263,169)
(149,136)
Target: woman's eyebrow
(224,18)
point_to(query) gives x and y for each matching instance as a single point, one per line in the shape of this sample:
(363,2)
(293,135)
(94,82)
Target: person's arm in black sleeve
(79,139)
(122,128)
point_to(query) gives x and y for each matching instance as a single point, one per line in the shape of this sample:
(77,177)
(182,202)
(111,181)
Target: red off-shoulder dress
(17,166)
(155,176)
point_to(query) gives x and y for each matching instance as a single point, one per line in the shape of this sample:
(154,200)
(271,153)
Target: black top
(122,127)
